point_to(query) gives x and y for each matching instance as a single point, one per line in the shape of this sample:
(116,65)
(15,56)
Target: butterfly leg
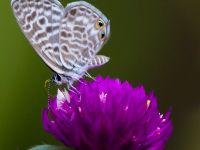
(71,88)
(88,75)
(79,80)
(66,95)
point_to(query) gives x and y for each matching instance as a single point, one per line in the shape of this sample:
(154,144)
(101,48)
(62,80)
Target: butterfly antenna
(79,80)
(46,82)
(47,85)
(48,92)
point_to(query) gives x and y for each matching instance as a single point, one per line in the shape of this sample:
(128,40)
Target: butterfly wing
(40,22)
(97,61)
(79,39)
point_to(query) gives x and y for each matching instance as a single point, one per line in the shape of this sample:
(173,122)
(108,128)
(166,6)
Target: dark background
(153,42)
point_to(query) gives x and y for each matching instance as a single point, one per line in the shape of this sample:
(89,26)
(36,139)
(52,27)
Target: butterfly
(67,39)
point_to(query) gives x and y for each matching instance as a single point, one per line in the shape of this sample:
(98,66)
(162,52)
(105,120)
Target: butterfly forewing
(40,21)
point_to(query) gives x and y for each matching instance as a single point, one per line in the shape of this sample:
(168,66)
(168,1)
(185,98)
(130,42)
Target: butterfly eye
(100,24)
(102,35)
(58,78)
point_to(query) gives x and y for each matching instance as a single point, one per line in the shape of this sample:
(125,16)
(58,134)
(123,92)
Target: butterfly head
(60,79)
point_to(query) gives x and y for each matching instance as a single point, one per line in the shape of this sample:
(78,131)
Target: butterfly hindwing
(79,40)
(97,61)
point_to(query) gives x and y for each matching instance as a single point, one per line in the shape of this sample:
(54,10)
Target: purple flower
(109,115)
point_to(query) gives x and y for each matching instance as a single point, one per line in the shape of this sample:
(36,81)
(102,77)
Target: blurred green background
(153,42)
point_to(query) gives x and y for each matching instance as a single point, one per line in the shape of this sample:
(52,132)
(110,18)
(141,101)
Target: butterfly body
(67,39)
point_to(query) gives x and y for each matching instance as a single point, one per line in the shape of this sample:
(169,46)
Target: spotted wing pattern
(40,22)
(65,38)
(79,42)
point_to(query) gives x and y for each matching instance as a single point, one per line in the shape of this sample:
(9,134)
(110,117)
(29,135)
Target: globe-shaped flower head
(107,115)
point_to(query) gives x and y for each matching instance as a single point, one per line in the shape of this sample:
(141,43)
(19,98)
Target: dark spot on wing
(63,34)
(69,35)
(47,8)
(39,36)
(48,48)
(42,21)
(85,42)
(56,49)
(85,53)
(31,5)
(47,2)
(73,12)
(80,29)
(77,35)
(23,6)
(28,26)
(56,12)
(16,7)
(77,41)
(64,47)
(94,16)
(38,6)
(49,29)
(33,15)
(82,9)
(84,35)
(71,19)
(88,11)
(29,18)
